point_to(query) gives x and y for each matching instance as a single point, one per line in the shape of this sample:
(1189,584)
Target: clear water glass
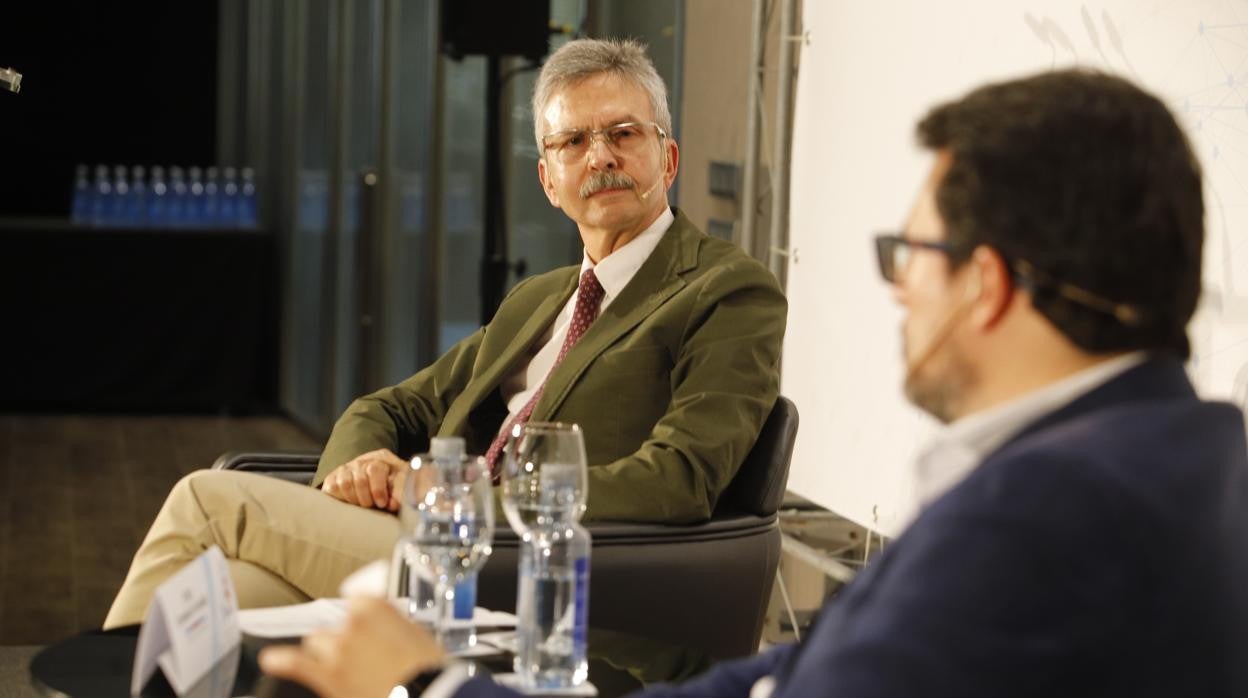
(450,516)
(543,475)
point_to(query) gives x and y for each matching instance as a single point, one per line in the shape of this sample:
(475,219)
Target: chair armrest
(612,533)
(294,466)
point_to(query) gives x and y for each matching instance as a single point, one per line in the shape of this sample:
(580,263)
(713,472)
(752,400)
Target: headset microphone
(973,290)
(658,180)
(646,194)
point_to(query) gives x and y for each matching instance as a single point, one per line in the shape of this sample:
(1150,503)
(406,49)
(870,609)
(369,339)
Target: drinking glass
(452,528)
(543,475)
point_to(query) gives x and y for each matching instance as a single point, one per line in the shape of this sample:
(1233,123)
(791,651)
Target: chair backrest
(758,487)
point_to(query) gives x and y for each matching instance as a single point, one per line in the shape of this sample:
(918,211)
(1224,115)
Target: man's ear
(672,162)
(548,184)
(993,283)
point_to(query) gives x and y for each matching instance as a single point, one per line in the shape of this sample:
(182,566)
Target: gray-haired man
(670,370)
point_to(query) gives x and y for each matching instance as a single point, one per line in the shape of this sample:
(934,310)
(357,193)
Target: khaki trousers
(285,543)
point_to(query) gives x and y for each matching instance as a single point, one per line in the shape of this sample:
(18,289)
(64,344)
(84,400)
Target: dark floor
(76,496)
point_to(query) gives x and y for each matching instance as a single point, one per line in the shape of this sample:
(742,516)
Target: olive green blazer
(671,384)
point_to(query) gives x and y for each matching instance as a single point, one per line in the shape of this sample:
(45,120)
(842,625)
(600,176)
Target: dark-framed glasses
(570,146)
(893,251)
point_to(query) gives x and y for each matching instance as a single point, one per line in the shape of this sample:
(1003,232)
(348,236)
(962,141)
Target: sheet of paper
(481,617)
(300,619)
(504,640)
(373,579)
(485,618)
(293,621)
(513,682)
(153,639)
(191,625)
(481,649)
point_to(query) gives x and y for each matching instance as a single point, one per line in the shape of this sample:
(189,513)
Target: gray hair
(582,59)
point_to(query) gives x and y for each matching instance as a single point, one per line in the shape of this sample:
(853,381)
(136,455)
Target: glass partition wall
(369,147)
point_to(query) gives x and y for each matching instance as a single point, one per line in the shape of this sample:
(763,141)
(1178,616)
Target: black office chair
(705,586)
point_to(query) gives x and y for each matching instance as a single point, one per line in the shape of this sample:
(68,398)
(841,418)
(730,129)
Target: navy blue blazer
(1101,552)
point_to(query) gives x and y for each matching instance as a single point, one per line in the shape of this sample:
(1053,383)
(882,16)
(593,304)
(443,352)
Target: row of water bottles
(121,197)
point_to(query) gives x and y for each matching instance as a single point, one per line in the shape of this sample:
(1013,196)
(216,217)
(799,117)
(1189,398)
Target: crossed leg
(285,542)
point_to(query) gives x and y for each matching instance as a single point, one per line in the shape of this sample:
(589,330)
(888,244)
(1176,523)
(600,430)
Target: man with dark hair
(1085,522)
(1103,196)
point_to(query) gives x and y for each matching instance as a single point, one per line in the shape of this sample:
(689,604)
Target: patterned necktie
(589,295)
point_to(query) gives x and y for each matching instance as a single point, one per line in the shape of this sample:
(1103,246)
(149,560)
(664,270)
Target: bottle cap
(441,447)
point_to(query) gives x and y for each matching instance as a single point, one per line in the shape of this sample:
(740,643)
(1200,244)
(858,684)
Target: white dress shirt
(614,272)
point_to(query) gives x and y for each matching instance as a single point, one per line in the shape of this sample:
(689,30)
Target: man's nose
(601,156)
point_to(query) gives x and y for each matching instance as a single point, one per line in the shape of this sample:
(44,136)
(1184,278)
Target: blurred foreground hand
(374,651)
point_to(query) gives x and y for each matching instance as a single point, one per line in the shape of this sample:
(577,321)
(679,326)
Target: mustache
(611,179)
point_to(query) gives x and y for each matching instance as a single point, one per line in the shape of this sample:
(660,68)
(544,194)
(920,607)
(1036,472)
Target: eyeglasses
(570,146)
(893,252)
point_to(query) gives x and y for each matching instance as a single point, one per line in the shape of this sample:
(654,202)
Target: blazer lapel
(497,368)
(657,280)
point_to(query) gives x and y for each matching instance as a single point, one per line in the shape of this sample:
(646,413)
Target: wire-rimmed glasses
(570,146)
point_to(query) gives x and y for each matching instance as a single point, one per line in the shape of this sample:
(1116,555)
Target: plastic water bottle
(212,198)
(80,207)
(117,215)
(136,208)
(178,198)
(195,199)
(227,210)
(247,212)
(552,602)
(102,200)
(461,634)
(158,199)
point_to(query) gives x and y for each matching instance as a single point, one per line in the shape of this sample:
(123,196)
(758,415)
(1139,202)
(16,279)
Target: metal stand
(829,543)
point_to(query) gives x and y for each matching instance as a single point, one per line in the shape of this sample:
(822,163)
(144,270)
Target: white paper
(325,614)
(191,625)
(478,650)
(513,682)
(481,617)
(293,621)
(485,618)
(373,579)
(505,640)
(153,638)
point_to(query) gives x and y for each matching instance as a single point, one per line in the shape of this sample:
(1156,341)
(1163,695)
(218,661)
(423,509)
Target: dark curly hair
(1088,179)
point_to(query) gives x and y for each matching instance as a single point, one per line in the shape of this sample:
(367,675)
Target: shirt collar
(618,268)
(956,451)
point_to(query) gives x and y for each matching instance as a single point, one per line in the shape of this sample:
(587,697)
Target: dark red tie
(589,294)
